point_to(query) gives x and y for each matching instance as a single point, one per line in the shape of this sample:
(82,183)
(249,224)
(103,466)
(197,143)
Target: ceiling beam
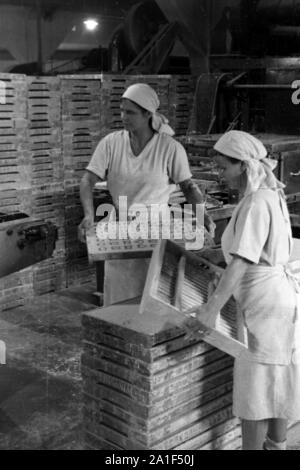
(108,7)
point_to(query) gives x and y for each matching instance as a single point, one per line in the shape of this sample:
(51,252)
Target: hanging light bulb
(91,24)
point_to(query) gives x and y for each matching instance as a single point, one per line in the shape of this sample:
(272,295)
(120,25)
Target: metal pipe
(285,30)
(260,86)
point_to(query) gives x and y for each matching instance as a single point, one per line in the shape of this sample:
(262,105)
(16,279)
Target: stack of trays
(147,387)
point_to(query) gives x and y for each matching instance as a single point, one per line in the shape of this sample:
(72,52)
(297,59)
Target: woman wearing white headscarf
(257,246)
(141,162)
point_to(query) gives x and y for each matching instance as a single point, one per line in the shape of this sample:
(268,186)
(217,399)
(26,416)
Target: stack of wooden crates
(49,128)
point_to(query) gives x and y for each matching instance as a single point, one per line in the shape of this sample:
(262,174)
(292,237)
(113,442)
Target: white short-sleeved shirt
(260,232)
(148,178)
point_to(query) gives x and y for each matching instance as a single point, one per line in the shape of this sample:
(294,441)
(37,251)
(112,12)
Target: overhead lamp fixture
(91,24)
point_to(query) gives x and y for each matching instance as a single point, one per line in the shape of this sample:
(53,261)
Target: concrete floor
(40,386)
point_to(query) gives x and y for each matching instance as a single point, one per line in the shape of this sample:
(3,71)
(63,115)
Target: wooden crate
(49,275)
(73,216)
(171,288)
(81,123)
(47,202)
(16,289)
(80,97)
(15,162)
(79,144)
(44,130)
(181,93)
(79,271)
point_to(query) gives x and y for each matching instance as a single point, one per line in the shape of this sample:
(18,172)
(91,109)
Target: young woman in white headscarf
(256,246)
(142,162)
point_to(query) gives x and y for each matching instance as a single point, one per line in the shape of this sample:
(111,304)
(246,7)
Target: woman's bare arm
(227,284)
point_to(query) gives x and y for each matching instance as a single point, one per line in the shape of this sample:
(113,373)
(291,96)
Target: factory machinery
(244,29)
(251,50)
(251,82)
(24,241)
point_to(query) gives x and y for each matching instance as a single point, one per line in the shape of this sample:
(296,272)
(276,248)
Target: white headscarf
(143,95)
(250,150)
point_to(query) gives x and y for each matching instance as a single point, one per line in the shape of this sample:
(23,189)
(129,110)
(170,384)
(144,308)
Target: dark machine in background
(254,67)
(255,63)
(254,80)
(258,28)
(144,41)
(249,28)
(141,24)
(24,241)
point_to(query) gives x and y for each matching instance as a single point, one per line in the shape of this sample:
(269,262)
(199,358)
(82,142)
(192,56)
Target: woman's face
(228,171)
(134,118)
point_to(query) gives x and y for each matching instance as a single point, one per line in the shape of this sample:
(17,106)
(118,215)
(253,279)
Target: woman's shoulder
(169,140)
(116,135)
(113,140)
(263,197)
